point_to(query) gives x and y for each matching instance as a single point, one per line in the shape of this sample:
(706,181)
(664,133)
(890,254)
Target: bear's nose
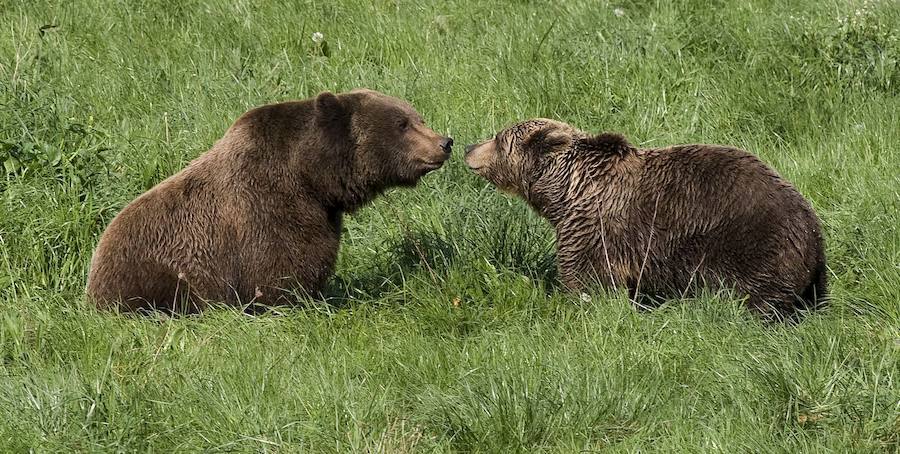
(446,144)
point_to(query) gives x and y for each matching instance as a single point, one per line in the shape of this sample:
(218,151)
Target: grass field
(446,329)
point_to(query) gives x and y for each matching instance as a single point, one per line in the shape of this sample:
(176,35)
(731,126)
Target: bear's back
(722,213)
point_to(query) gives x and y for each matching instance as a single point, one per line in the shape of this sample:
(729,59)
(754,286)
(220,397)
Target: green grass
(101,99)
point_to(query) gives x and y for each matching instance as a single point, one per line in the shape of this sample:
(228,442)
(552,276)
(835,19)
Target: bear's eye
(404,124)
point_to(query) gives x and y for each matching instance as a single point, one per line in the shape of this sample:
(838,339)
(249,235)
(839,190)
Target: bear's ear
(329,109)
(607,142)
(548,139)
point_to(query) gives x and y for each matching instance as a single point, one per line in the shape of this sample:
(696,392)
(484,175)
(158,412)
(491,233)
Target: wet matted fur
(662,222)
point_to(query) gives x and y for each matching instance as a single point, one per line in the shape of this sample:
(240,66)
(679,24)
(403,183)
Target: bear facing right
(662,222)
(258,216)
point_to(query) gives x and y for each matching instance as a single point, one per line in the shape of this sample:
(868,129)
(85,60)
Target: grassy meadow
(445,329)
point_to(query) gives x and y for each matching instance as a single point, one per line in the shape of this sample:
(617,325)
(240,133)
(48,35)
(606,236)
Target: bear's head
(539,159)
(516,155)
(388,139)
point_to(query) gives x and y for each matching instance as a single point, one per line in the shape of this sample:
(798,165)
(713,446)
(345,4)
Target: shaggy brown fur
(260,213)
(662,221)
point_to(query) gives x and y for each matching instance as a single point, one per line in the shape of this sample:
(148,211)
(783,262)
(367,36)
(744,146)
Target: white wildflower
(619,12)
(318,37)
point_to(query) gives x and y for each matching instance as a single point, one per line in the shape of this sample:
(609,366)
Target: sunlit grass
(445,329)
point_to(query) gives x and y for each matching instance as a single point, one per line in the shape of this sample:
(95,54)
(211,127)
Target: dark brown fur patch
(606,143)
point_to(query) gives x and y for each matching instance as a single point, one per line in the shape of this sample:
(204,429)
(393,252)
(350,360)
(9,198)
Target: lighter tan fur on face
(482,156)
(485,154)
(425,144)
(502,159)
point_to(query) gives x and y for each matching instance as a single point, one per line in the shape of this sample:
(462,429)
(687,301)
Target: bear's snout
(479,155)
(447,144)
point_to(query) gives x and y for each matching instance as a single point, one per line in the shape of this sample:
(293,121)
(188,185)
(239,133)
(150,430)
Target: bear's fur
(259,214)
(662,221)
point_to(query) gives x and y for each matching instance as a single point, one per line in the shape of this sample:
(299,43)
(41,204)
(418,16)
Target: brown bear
(662,222)
(259,215)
